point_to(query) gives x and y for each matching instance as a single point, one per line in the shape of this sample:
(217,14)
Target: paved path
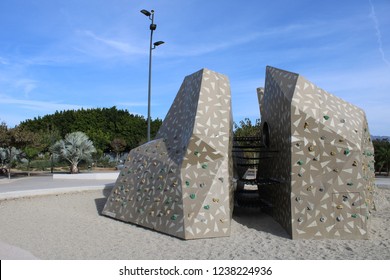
(42,185)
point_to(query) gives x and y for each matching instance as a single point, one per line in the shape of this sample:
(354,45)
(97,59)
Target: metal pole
(150,72)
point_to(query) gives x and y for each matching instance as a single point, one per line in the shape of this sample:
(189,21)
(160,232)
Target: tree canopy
(101,125)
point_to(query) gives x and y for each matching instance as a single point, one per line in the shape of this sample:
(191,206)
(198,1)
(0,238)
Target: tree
(247,129)
(7,156)
(382,155)
(118,145)
(74,148)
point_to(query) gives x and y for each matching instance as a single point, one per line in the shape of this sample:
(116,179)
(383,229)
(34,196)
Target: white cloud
(106,47)
(27,85)
(38,106)
(378,33)
(3,61)
(133,104)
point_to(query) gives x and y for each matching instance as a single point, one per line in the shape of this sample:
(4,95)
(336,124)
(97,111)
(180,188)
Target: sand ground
(69,226)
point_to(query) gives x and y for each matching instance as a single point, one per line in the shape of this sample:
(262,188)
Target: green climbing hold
(187,183)
(354,216)
(196,153)
(346,152)
(326,117)
(204,165)
(174,217)
(192,196)
(300,162)
(206,207)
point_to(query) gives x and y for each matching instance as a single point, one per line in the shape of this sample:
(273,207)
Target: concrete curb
(88,176)
(54,191)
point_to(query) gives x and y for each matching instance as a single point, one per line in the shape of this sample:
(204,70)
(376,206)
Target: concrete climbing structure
(181,182)
(325,159)
(320,161)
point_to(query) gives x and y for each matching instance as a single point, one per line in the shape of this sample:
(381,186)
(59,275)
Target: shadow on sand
(100,202)
(256,219)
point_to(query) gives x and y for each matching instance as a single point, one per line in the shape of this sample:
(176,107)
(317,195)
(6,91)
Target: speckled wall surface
(325,160)
(181,182)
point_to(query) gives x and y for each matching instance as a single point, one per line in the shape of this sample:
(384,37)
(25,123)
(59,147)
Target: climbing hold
(206,207)
(300,174)
(143,181)
(354,163)
(350,184)
(220,179)
(322,219)
(332,153)
(339,207)
(306,125)
(311,148)
(300,219)
(336,170)
(315,159)
(204,165)
(174,217)
(339,219)
(326,117)
(323,137)
(342,120)
(309,188)
(202,185)
(216,200)
(187,183)
(300,162)
(298,199)
(157,199)
(354,216)
(321,189)
(192,196)
(197,153)
(346,152)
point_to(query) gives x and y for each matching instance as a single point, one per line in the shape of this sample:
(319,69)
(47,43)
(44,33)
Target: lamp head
(158,43)
(146,13)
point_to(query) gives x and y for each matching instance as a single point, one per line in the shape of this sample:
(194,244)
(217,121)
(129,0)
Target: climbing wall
(181,182)
(325,149)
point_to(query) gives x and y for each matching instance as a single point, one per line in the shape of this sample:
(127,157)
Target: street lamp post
(152,46)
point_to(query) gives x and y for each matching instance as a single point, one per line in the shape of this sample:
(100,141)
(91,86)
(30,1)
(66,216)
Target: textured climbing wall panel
(181,182)
(327,156)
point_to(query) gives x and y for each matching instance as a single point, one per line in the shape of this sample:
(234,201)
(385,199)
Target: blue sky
(57,55)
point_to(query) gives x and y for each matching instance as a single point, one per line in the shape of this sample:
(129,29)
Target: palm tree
(74,148)
(7,156)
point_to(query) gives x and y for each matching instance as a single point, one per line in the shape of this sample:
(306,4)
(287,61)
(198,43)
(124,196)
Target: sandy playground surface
(69,226)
